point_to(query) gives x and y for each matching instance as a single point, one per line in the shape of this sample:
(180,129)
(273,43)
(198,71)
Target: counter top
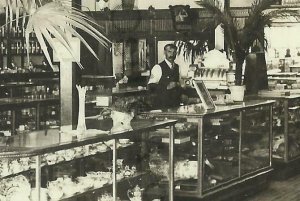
(45,141)
(197,110)
(279,96)
(285,93)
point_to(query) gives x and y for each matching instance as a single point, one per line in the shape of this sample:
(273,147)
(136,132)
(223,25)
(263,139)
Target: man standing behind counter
(164,80)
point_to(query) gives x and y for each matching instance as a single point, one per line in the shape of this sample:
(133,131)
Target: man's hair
(170,45)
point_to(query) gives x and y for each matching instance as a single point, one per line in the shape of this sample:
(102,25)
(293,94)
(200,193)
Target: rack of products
(28,101)
(29,97)
(94,165)
(221,150)
(13,52)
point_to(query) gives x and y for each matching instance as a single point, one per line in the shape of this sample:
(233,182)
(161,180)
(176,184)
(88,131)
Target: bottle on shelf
(18,44)
(13,48)
(3,31)
(14,68)
(32,47)
(37,48)
(2,48)
(5,123)
(30,66)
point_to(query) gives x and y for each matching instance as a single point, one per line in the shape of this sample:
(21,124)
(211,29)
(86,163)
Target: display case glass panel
(293,129)
(255,145)
(213,154)
(144,169)
(221,149)
(286,125)
(16,186)
(186,143)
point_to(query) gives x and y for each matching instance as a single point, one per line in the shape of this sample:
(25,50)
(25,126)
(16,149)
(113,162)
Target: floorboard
(287,190)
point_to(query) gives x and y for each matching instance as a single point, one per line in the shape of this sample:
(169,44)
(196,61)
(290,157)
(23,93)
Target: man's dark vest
(167,97)
(168,75)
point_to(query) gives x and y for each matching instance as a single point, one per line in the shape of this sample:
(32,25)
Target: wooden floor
(287,190)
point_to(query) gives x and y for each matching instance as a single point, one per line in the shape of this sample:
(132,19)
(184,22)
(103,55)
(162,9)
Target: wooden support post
(68,93)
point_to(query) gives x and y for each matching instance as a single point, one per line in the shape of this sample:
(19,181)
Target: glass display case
(95,165)
(286,129)
(219,149)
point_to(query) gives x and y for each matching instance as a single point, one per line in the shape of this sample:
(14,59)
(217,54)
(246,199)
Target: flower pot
(237,92)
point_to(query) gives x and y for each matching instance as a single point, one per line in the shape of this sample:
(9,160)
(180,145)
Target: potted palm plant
(241,37)
(52,21)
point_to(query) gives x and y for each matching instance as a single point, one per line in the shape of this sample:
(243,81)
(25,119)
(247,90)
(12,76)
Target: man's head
(170,52)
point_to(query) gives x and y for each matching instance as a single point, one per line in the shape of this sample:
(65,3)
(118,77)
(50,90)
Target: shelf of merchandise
(223,153)
(17,104)
(22,91)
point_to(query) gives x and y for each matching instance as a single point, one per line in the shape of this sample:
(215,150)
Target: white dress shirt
(156,73)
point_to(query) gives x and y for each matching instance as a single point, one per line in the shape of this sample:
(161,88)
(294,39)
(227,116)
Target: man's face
(170,54)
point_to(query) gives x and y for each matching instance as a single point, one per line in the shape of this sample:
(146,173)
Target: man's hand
(172,85)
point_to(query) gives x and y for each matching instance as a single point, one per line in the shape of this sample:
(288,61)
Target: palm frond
(191,48)
(59,20)
(222,17)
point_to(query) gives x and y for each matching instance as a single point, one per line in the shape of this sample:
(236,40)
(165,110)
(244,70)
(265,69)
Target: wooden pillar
(68,92)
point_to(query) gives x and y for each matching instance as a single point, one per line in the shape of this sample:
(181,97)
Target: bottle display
(13,52)
(29,87)
(31,105)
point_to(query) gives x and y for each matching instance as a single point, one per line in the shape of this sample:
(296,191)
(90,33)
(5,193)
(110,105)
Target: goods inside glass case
(286,119)
(233,144)
(255,140)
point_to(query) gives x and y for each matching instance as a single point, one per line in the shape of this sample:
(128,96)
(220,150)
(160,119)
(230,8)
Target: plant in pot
(240,37)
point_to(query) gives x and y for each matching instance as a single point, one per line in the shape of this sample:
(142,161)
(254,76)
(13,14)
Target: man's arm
(154,79)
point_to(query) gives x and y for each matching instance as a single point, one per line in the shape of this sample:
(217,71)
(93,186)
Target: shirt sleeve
(155,75)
